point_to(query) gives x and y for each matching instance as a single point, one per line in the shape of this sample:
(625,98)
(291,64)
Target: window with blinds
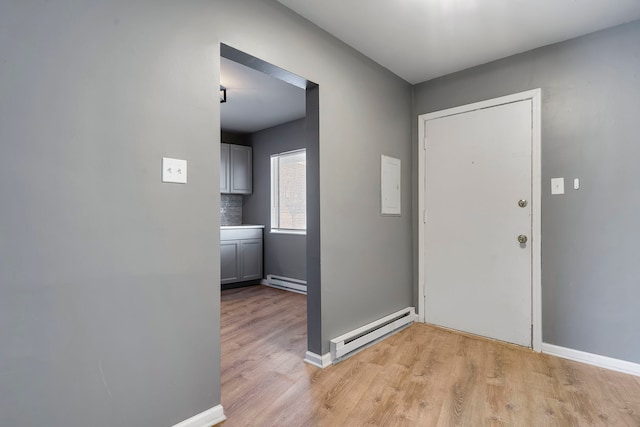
(289,192)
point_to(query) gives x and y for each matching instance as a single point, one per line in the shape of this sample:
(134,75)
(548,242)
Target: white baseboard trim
(592,359)
(317,360)
(208,418)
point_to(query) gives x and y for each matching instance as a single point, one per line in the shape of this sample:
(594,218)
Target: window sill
(285,231)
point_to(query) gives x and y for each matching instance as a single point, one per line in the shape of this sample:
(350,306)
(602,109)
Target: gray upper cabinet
(236,175)
(241,176)
(224,168)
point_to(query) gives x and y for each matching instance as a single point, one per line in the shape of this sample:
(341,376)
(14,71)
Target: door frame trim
(535,95)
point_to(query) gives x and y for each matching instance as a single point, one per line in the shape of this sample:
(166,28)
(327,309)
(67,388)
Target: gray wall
(284,254)
(590,110)
(314,273)
(109,283)
(109,280)
(365,111)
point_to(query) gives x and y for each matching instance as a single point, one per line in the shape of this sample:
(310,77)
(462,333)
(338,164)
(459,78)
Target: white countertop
(231,227)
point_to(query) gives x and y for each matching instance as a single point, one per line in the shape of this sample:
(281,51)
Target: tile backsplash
(230,209)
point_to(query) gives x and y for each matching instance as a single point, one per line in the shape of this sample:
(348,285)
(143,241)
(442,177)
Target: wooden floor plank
(421,376)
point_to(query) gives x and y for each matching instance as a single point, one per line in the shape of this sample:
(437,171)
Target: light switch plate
(174,170)
(557,185)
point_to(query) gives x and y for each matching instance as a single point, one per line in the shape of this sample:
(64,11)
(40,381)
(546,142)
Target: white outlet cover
(557,185)
(174,170)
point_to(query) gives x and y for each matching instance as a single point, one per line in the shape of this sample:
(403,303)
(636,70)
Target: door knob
(522,203)
(522,238)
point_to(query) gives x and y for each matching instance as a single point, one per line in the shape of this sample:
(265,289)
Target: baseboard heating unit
(358,339)
(286,283)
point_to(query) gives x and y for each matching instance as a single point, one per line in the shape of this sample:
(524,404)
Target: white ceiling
(422,39)
(255,100)
(418,40)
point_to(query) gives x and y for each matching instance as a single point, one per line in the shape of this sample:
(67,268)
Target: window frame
(275,194)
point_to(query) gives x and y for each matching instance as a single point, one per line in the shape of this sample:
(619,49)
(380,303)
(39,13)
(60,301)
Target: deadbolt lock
(522,238)
(522,203)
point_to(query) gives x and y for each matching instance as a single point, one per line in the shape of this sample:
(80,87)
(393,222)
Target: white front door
(478,201)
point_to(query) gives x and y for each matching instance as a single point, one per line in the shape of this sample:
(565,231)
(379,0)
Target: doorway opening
(301,130)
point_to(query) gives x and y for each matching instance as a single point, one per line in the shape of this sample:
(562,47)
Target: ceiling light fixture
(223,94)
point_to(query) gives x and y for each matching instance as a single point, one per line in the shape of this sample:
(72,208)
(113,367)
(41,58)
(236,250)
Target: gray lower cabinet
(251,259)
(240,255)
(229,261)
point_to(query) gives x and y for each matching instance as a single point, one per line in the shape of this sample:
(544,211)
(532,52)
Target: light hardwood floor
(422,376)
